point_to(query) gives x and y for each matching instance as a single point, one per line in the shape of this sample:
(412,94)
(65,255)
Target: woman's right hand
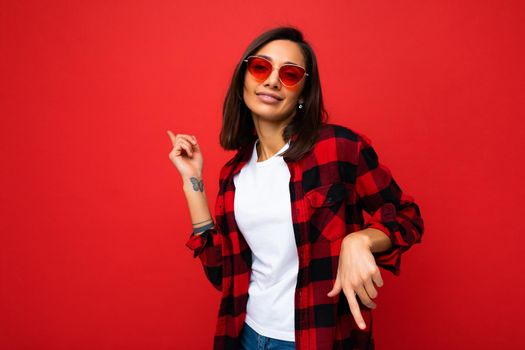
(186,154)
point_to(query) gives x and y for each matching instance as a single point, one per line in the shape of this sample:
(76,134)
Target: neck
(265,152)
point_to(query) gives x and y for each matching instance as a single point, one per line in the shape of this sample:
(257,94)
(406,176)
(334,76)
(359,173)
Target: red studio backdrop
(93,217)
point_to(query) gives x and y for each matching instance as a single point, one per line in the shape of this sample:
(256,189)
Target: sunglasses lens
(291,75)
(259,68)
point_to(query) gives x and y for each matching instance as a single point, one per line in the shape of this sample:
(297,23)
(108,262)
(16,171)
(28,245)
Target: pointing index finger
(172,137)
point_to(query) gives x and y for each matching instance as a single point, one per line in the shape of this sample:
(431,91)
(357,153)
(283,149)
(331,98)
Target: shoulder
(342,133)
(333,130)
(228,166)
(341,143)
(241,154)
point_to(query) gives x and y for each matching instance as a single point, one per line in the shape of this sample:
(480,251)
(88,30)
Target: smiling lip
(268,98)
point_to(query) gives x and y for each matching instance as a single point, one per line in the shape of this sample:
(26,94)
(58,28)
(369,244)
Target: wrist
(202,228)
(361,237)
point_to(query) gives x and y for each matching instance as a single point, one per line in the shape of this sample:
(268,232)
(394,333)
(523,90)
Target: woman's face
(278,52)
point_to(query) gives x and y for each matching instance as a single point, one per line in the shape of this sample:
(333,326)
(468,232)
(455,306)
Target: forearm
(207,247)
(374,238)
(193,187)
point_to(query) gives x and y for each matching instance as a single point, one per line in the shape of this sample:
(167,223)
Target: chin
(268,115)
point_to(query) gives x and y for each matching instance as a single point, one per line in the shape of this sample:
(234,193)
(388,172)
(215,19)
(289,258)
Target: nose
(273,79)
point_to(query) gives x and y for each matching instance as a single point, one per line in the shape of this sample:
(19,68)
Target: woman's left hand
(356,274)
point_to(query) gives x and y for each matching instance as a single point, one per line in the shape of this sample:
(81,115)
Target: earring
(301,105)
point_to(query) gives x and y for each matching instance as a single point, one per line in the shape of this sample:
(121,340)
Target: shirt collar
(243,155)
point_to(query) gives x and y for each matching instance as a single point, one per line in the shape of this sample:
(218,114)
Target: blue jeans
(251,340)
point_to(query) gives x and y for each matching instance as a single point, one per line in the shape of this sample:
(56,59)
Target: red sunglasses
(261,68)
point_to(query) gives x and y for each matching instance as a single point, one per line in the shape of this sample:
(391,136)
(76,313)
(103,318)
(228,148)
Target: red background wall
(93,217)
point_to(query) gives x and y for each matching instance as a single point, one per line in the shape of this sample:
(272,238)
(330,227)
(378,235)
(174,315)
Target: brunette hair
(238,130)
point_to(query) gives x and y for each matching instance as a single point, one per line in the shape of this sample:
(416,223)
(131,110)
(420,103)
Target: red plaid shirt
(329,189)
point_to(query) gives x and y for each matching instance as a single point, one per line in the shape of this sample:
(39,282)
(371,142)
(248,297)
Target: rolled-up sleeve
(391,210)
(207,246)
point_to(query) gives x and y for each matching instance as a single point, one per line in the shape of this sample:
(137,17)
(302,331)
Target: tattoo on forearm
(197,185)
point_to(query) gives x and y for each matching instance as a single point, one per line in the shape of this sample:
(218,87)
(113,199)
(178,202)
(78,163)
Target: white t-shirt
(263,213)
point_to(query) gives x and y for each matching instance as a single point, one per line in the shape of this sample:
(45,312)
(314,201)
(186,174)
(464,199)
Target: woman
(289,233)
